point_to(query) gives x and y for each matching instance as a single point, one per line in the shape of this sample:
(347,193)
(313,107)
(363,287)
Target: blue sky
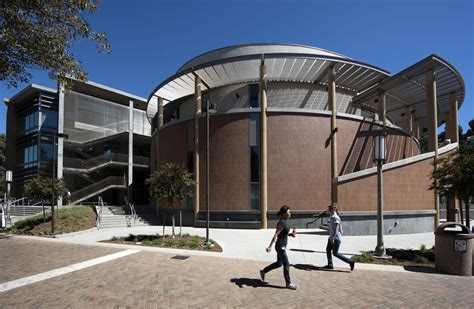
(151,39)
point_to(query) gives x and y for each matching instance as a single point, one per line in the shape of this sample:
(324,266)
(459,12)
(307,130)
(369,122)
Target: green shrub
(182,243)
(421,259)
(169,242)
(423,248)
(115,238)
(366,257)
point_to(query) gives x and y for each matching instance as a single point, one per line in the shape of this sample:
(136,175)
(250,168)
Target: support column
(60,159)
(332,108)
(382,108)
(263,144)
(197,104)
(432,114)
(453,118)
(408,120)
(416,129)
(447,125)
(130,152)
(452,132)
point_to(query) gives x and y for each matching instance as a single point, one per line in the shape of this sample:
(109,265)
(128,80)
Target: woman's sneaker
(262,275)
(292,286)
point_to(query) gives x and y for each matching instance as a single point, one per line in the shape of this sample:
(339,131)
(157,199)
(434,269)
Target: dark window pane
(46,151)
(255,196)
(190,161)
(253,95)
(254,163)
(49,118)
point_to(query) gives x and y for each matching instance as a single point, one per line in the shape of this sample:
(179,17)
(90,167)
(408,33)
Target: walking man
(335,239)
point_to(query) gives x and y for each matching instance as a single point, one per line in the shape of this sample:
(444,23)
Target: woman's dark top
(282,239)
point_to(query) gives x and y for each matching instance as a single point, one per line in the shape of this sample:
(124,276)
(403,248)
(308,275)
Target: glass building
(103,146)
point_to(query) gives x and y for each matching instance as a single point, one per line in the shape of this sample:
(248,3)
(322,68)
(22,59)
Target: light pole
(55,136)
(209,109)
(379,158)
(8,180)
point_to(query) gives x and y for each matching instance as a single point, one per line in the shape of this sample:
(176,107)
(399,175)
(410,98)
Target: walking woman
(281,238)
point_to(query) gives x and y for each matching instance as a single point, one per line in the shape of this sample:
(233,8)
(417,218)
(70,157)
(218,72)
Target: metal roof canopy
(295,67)
(407,89)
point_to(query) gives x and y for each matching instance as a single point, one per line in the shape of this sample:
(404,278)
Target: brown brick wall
(229,168)
(299,169)
(404,188)
(299,160)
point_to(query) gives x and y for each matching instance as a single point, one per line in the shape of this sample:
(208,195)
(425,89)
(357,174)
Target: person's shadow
(255,283)
(309,267)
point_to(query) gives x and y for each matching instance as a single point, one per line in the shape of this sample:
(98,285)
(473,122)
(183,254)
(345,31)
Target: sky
(150,40)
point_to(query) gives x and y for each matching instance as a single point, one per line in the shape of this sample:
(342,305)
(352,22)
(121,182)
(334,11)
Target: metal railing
(320,216)
(92,163)
(98,208)
(97,187)
(133,214)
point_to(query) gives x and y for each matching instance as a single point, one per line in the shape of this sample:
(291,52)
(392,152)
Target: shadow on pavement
(309,267)
(313,233)
(422,269)
(255,283)
(5,236)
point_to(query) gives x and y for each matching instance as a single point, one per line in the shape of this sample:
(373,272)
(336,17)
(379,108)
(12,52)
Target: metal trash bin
(453,249)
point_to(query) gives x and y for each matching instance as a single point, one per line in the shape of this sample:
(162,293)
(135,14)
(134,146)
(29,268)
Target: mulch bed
(184,241)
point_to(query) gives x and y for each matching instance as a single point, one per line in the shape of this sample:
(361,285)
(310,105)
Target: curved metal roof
(407,89)
(241,63)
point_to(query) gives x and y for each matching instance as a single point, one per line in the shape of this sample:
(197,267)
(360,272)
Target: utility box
(453,249)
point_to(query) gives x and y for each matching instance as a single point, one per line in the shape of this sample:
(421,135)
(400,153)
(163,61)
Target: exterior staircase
(118,216)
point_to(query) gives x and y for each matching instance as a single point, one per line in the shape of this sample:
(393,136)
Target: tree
(41,190)
(170,185)
(454,176)
(39,34)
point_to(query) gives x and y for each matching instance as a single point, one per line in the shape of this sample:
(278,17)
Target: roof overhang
(294,67)
(408,89)
(28,91)
(107,93)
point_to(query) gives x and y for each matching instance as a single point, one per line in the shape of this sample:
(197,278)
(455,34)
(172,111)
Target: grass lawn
(403,257)
(69,220)
(184,241)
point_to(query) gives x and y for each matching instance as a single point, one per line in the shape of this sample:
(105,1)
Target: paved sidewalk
(308,247)
(155,280)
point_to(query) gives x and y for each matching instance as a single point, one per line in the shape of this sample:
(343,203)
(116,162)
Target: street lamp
(210,108)
(55,136)
(8,180)
(379,158)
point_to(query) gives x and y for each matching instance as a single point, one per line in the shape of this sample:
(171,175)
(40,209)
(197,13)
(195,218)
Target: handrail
(111,157)
(133,213)
(318,217)
(95,187)
(99,212)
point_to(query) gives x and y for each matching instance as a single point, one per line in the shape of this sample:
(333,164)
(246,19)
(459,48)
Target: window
(254,141)
(49,118)
(46,151)
(253,95)
(30,155)
(30,123)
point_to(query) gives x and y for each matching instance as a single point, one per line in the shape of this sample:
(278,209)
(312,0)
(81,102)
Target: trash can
(453,249)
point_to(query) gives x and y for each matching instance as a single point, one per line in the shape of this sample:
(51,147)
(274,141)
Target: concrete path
(308,247)
(158,280)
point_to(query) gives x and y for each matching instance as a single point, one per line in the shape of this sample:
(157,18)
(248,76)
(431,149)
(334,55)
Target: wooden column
(332,108)
(263,144)
(432,113)
(197,103)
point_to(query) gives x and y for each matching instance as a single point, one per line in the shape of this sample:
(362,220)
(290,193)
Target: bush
(366,257)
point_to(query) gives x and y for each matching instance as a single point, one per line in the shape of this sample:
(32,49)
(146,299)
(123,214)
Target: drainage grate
(180,257)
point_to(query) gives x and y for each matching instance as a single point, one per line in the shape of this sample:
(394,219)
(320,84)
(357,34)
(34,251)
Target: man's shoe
(328,267)
(262,275)
(352,263)
(292,286)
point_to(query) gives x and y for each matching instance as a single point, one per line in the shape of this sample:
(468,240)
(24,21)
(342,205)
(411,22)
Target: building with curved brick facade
(295,125)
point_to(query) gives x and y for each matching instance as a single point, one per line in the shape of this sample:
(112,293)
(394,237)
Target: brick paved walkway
(150,280)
